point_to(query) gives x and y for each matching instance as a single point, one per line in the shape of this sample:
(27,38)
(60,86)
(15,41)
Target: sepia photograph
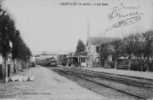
(76,49)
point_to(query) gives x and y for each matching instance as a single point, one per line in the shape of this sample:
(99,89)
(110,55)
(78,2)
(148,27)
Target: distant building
(93,43)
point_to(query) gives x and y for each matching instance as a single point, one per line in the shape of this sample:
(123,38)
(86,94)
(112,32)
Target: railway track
(97,79)
(133,81)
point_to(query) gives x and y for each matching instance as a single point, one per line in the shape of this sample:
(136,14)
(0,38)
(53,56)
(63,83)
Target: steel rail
(98,83)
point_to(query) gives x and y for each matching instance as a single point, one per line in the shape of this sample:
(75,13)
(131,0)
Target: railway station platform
(137,74)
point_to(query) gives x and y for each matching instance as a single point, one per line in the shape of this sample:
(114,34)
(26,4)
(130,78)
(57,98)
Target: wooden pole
(88,36)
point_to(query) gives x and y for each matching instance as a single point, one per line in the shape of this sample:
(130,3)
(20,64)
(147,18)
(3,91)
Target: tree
(80,47)
(118,50)
(130,47)
(10,35)
(148,36)
(20,49)
(4,33)
(7,29)
(148,46)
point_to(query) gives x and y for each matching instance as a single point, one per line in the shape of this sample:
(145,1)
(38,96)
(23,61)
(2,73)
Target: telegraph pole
(88,36)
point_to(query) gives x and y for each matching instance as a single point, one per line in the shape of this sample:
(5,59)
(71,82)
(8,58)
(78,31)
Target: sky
(48,25)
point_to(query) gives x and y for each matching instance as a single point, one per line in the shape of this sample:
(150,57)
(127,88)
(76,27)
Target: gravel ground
(47,86)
